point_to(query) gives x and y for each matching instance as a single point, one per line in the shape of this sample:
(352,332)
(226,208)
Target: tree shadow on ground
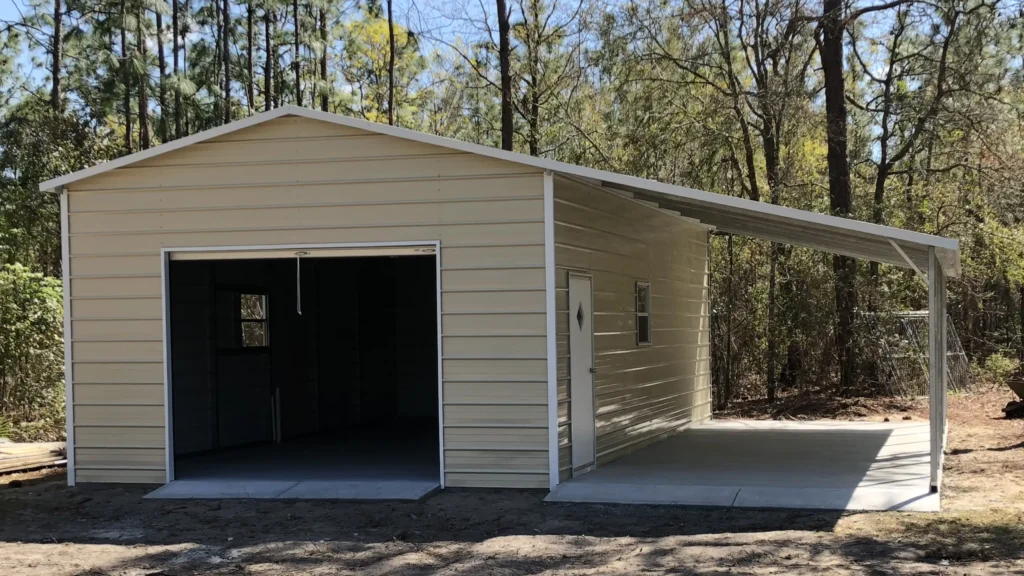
(468,532)
(979,536)
(791,553)
(51,508)
(961,451)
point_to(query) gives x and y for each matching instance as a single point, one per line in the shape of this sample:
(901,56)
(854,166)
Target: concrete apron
(755,464)
(303,490)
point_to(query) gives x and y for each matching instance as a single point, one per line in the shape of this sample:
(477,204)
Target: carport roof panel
(727,213)
(803,228)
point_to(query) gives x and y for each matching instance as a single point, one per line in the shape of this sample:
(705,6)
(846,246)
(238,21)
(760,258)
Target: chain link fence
(900,342)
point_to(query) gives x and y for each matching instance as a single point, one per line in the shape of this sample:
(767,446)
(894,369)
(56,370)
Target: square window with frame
(253,318)
(643,313)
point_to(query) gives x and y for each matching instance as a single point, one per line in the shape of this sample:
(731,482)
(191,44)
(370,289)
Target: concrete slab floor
(771,464)
(363,467)
(314,460)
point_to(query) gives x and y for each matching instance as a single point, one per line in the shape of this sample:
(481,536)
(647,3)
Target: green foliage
(998,367)
(366,70)
(31,353)
(37,144)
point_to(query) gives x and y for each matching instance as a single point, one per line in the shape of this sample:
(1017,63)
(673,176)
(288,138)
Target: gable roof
(726,213)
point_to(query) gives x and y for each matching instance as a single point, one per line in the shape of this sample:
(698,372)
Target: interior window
(253,315)
(643,313)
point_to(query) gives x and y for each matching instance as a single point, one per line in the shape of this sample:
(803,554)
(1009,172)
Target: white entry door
(581,375)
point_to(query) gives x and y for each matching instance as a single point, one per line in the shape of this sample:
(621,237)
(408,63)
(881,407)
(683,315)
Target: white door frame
(593,387)
(165,301)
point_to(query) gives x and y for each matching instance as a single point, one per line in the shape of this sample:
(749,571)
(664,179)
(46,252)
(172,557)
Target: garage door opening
(305,376)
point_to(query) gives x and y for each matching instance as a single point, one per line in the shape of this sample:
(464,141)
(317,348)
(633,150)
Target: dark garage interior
(344,391)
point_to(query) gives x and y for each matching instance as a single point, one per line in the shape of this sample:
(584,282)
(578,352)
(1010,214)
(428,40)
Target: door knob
(593,370)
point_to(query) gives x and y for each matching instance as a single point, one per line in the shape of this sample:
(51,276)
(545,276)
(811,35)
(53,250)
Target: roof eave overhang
(785,225)
(726,213)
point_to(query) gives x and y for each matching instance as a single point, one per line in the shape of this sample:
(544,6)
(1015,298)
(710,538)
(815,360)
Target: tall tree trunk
(279,94)
(161,130)
(391,65)
(533,60)
(126,79)
(268,61)
(1020,312)
(727,391)
(534,122)
(218,62)
(57,55)
(505,64)
(296,65)
(226,38)
(877,209)
(184,67)
(878,204)
(140,46)
(325,93)
(312,70)
(175,32)
(250,49)
(840,193)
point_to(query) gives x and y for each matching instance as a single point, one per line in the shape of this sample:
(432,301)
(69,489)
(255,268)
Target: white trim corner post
(165,330)
(550,312)
(438,319)
(69,386)
(937,385)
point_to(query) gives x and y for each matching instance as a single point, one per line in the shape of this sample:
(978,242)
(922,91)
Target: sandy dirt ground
(47,528)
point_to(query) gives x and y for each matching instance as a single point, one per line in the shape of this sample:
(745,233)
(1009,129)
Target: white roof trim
(57,183)
(948,249)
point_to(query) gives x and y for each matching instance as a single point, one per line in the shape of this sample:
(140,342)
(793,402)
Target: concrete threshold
(301,490)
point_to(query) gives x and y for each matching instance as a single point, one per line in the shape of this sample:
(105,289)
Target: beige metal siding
(642,392)
(299,181)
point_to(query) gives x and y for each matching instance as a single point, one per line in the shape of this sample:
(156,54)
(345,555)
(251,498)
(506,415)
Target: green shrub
(998,367)
(31,354)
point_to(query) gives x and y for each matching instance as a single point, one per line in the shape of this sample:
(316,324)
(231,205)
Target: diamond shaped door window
(579,316)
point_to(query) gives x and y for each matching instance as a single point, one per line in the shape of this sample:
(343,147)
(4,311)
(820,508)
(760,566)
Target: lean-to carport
(827,465)
(821,465)
(933,258)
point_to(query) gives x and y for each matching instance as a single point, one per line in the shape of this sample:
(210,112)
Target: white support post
(936,366)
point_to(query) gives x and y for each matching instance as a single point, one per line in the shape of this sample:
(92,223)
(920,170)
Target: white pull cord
(298,281)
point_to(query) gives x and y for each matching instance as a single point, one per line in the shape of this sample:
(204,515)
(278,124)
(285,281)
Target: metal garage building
(303,304)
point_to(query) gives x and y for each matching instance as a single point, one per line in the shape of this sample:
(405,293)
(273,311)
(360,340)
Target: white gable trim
(56,183)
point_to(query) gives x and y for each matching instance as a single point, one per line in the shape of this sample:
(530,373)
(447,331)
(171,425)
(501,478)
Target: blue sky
(9,12)
(7,9)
